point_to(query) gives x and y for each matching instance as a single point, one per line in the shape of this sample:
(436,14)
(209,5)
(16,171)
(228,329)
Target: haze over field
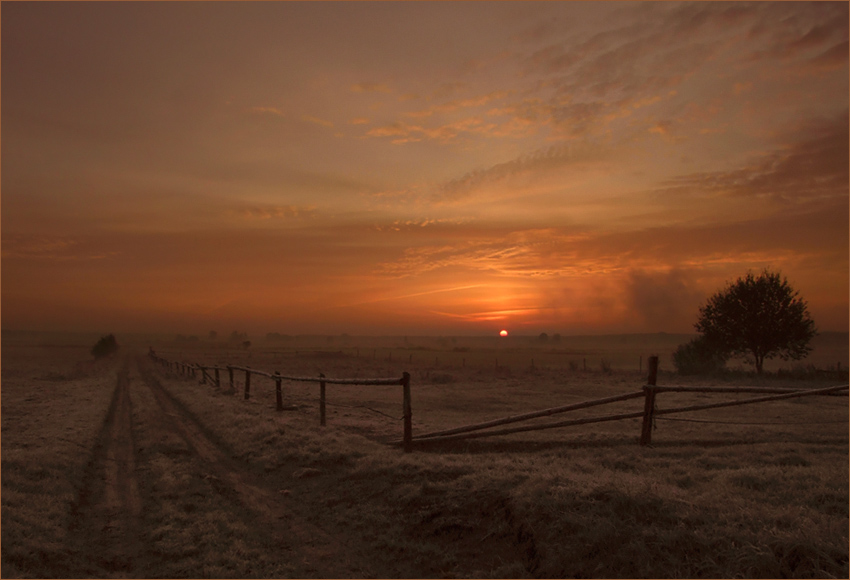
(418,168)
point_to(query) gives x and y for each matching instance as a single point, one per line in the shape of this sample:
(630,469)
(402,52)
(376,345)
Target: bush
(106,346)
(698,357)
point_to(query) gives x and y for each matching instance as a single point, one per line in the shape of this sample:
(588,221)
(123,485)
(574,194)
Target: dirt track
(107,514)
(112,527)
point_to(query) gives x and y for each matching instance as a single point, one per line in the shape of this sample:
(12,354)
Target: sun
(503,333)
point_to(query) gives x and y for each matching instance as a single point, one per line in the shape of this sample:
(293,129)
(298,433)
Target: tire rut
(106,517)
(320,553)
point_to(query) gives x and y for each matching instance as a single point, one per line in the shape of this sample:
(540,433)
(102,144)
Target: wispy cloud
(317,121)
(266,212)
(815,165)
(539,163)
(52,248)
(458,104)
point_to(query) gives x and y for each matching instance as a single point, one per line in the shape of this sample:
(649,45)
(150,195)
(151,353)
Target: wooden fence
(649,393)
(192,370)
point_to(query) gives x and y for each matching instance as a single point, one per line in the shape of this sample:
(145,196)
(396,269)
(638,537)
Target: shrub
(698,357)
(106,346)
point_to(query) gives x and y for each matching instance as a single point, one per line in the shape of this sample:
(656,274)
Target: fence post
(277,391)
(322,401)
(230,372)
(649,401)
(203,375)
(408,413)
(217,381)
(247,384)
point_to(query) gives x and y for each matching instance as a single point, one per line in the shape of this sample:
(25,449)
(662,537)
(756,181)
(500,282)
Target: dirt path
(107,515)
(124,510)
(318,553)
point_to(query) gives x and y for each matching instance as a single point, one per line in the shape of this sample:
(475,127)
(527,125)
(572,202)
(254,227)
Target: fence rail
(649,393)
(191,369)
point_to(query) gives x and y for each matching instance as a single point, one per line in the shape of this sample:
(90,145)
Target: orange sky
(418,168)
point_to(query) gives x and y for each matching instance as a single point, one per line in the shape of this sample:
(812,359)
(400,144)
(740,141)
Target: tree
(106,346)
(759,317)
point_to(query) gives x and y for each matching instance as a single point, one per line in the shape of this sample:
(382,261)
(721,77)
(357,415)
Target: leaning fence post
(217,381)
(322,401)
(277,391)
(649,401)
(247,384)
(408,413)
(203,375)
(230,372)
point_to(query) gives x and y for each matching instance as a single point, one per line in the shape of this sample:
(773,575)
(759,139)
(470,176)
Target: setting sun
(503,333)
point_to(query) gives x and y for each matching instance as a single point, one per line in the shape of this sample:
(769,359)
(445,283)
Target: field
(122,469)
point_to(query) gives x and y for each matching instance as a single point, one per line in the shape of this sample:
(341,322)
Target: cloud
(273,212)
(663,300)
(457,104)
(408,224)
(831,59)
(402,132)
(52,248)
(535,253)
(538,162)
(584,84)
(794,32)
(449,121)
(317,121)
(815,165)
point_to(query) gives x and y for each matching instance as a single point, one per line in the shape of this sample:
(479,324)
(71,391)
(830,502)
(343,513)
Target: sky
(444,168)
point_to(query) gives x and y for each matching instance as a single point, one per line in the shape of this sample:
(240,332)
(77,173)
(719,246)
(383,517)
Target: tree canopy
(760,317)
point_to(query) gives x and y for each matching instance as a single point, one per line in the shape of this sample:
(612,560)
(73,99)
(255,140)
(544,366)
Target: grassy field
(229,487)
